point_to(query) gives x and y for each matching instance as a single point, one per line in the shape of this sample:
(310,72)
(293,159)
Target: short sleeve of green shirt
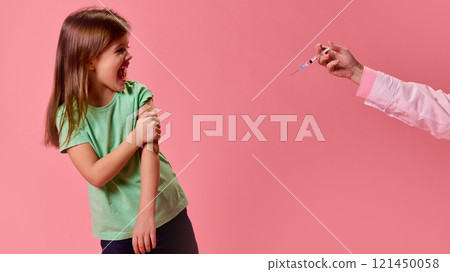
(78,136)
(143,94)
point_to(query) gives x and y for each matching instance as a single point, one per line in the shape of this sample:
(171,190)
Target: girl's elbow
(96,181)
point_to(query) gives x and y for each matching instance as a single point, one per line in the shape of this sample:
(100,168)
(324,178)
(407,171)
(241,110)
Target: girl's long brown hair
(84,34)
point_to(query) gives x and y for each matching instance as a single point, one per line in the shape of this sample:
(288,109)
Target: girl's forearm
(110,165)
(149,178)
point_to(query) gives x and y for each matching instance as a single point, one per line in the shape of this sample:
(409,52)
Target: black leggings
(175,237)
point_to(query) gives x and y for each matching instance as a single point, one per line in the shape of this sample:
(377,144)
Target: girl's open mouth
(122,73)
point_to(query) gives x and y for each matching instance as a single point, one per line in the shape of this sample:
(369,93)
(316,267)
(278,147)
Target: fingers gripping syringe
(312,60)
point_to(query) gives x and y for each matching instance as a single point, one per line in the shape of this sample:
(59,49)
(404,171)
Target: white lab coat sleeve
(413,103)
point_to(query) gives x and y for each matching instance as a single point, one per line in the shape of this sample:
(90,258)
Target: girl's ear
(91,65)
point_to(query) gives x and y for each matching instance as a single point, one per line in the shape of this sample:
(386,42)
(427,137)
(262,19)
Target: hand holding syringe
(312,60)
(339,62)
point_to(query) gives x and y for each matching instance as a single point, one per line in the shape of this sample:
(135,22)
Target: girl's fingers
(135,245)
(150,122)
(146,115)
(147,243)
(153,238)
(149,114)
(153,111)
(149,119)
(141,244)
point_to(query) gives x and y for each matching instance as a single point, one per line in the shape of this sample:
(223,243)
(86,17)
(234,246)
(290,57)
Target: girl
(88,117)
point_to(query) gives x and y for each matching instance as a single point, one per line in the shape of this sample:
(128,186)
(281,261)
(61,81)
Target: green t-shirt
(114,206)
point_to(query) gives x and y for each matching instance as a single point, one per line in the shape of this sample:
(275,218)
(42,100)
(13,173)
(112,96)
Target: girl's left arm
(144,233)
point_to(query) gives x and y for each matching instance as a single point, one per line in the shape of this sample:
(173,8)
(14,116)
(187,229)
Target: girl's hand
(148,128)
(340,62)
(144,232)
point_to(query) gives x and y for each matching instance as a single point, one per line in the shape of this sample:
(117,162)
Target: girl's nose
(129,56)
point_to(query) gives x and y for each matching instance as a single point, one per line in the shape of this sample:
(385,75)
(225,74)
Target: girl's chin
(119,86)
(122,82)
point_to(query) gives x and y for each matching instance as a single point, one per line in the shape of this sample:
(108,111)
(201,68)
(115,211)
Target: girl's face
(109,69)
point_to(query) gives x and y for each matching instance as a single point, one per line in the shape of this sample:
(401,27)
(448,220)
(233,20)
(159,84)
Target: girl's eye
(121,49)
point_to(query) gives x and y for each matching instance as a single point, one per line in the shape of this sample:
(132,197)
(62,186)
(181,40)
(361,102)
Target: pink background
(378,185)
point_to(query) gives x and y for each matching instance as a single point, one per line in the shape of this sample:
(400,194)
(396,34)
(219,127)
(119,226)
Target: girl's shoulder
(133,84)
(137,89)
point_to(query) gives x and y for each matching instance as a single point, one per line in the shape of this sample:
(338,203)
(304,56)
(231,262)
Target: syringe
(312,60)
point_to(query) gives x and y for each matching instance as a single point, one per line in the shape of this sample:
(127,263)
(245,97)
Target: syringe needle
(312,60)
